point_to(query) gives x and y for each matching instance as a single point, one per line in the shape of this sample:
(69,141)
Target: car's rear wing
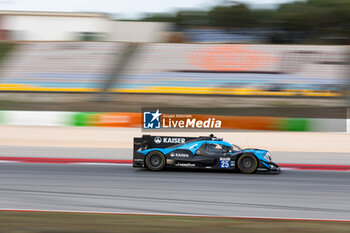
(149,141)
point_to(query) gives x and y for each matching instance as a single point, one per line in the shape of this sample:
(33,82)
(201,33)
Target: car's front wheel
(155,161)
(247,163)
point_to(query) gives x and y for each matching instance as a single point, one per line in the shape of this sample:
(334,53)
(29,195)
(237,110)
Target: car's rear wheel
(247,163)
(155,161)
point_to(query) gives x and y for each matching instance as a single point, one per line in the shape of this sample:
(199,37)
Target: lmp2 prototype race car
(159,152)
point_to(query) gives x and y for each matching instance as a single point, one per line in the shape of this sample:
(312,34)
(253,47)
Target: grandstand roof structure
(54,14)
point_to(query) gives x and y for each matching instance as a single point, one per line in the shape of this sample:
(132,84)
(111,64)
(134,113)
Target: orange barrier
(120,119)
(248,122)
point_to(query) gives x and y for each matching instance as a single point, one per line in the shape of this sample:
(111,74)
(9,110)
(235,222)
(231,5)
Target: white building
(58,26)
(133,31)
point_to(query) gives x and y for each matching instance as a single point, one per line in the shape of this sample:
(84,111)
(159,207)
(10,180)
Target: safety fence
(134,120)
(220,69)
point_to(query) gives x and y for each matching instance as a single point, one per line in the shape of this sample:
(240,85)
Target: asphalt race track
(121,188)
(113,153)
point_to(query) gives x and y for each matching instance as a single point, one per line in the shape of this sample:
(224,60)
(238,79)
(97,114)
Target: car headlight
(267,156)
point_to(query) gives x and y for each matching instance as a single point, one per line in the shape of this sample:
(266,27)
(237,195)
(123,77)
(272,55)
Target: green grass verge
(5,48)
(40,222)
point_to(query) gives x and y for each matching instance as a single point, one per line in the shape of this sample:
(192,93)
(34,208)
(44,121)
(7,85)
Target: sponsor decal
(138,160)
(158,140)
(182,155)
(157,120)
(225,159)
(173,140)
(185,165)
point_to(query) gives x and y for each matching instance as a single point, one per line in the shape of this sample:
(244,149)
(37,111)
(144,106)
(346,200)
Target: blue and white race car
(159,152)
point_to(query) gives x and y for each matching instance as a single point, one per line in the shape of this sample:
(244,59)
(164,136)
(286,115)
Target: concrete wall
(128,31)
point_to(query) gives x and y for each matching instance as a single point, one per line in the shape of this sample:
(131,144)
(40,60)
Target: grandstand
(235,70)
(254,70)
(59,66)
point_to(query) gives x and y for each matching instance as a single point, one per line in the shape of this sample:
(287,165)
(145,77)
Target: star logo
(151,120)
(156,115)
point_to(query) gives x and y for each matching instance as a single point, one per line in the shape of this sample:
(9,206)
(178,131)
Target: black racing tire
(155,161)
(247,163)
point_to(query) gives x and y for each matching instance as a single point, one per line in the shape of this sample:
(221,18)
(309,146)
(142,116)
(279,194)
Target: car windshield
(236,148)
